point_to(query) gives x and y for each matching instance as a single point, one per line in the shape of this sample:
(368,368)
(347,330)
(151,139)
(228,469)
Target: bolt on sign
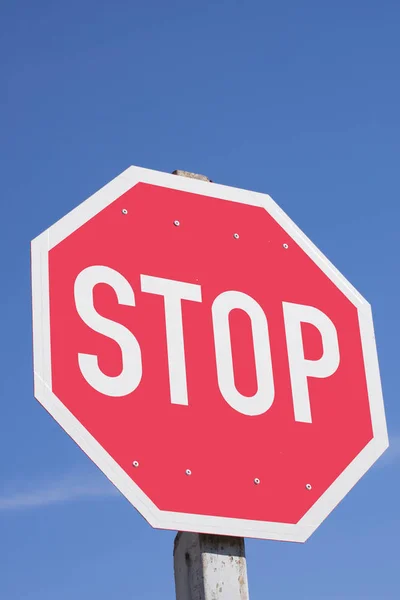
(206,356)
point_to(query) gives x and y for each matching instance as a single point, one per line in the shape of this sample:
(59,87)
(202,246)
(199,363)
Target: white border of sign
(298,532)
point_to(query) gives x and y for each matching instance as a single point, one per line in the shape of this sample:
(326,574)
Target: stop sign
(206,356)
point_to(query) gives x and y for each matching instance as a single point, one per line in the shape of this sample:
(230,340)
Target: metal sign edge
(298,532)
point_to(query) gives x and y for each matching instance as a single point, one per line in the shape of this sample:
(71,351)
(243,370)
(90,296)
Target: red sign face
(206,356)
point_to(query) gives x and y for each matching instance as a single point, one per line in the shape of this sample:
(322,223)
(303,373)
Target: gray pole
(209,567)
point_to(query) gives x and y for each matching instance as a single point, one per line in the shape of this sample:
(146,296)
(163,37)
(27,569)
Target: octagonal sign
(206,356)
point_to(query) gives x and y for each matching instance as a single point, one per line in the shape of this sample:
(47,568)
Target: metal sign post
(209,567)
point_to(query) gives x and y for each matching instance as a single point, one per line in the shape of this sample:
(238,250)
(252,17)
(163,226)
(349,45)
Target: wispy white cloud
(70,487)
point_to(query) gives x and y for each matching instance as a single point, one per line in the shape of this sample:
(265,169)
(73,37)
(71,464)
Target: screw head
(176,223)
(188,472)
(135,464)
(124,211)
(257,481)
(286,246)
(236,236)
(308,486)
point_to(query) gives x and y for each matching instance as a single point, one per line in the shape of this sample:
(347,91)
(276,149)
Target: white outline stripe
(41,307)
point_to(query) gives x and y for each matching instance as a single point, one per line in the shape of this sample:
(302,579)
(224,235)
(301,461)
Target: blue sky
(297,99)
